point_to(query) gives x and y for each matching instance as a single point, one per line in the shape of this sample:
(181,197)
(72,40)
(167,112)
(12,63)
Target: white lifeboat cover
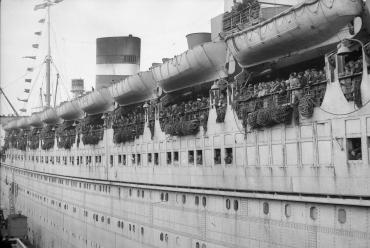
(13,124)
(22,122)
(49,116)
(133,89)
(203,63)
(35,120)
(97,102)
(70,110)
(300,27)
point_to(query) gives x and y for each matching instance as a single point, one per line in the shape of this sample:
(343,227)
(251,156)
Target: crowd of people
(92,130)
(47,137)
(352,67)
(34,138)
(350,80)
(66,135)
(128,122)
(294,83)
(187,113)
(246,12)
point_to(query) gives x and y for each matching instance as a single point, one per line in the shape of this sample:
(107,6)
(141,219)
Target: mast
(48,62)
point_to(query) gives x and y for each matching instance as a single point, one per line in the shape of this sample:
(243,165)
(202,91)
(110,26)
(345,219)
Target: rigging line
(35,80)
(63,62)
(25,74)
(62,82)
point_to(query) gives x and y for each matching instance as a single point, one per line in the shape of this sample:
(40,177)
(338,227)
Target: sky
(161,24)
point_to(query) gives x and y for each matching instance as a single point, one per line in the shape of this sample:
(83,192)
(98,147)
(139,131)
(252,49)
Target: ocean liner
(257,136)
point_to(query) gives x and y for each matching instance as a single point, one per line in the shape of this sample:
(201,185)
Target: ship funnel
(116,58)
(196,39)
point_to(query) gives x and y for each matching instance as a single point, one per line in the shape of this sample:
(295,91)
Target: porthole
(228,203)
(236,205)
(313,213)
(196,200)
(183,199)
(288,210)
(266,208)
(204,201)
(342,216)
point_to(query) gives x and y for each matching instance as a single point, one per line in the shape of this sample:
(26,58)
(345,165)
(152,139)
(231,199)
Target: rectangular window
(149,158)
(199,157)
(217,156)
(228,155)
(156,158)
(354,149)
(124,159)
(119,159)
(138,159)
(191,157)
(176,157)
(78,160)
(133,161)
(111,160)
(169,158)
(87,160)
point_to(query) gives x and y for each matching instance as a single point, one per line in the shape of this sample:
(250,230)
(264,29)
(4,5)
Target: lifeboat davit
(50,117)
(299,27)
(97,102)
(35,120)
(70,111)
(203,63)
(23,123)
(136,88)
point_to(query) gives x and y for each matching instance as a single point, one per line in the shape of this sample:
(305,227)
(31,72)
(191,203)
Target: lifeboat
(23,123)
(50,117)
(203,63)
(70,111)
(12,124)
(35,120)
(134,89)
(97,102)
(300,27)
